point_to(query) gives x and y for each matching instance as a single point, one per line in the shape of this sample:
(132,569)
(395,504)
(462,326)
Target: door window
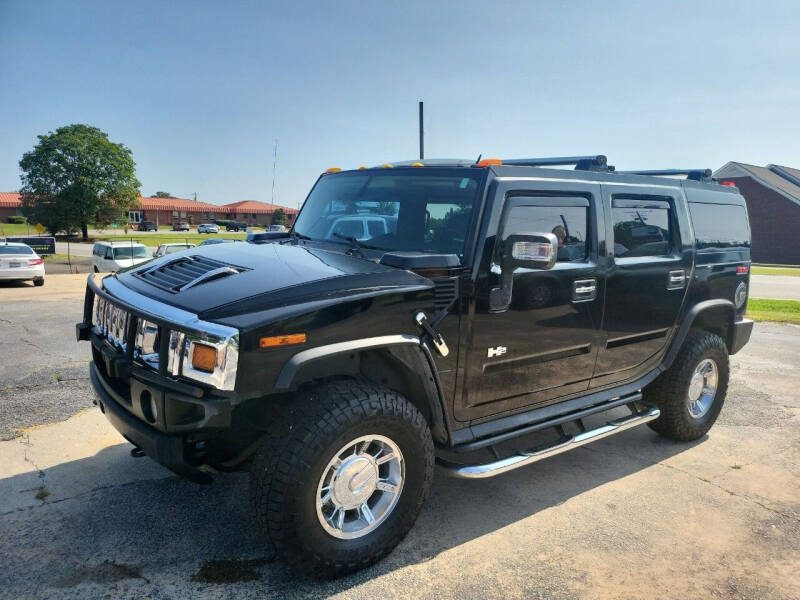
(641,227)
(566,218)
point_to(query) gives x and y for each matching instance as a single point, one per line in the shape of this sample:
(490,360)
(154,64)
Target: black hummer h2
(480,315)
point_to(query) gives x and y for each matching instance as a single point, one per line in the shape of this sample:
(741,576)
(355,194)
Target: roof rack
(693,174)
(597,162)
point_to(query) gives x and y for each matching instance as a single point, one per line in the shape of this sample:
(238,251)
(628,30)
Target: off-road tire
(670,391)
(287,469)
(38,282)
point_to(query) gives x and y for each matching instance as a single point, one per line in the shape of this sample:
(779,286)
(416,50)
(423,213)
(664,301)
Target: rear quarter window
(720,226)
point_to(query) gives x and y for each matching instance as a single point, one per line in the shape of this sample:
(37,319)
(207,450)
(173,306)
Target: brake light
(35,261)
(742,270)
(728,184)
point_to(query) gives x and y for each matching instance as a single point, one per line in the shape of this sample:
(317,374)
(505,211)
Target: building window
(211,215)
(134,216)
(205,215)
(183,214)
(254,216)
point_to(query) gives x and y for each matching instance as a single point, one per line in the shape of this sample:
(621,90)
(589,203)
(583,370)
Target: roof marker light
(728,184)
(333,170)
(361,168)
(386,166)
(487,162)
(417,164)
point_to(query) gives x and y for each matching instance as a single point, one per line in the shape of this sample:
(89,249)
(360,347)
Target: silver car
(208,228)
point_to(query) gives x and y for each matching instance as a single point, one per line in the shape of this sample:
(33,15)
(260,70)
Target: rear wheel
(343,477)
(38,281)
(691,393)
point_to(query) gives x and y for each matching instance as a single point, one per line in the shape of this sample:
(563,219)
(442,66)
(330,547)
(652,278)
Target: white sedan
(208,228)
(18,262)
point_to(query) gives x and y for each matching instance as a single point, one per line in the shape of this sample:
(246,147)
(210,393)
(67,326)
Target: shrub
(17,220)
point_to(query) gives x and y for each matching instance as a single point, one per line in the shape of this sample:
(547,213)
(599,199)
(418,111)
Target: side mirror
(526,251)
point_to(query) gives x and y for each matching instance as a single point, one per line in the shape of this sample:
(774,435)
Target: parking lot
(632,516)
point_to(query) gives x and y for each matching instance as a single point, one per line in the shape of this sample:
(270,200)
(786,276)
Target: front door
(543,345)
(650,267)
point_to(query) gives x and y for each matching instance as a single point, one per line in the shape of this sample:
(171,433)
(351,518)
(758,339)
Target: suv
(110,257)
(235,226)
(502,307)
(147,226)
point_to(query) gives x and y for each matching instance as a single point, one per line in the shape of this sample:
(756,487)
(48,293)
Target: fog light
(204,358)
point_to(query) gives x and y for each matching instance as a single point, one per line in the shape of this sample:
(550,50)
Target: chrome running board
(525,458)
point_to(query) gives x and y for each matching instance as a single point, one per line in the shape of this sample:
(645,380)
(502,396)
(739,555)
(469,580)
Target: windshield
(130,252)
(15,250)
(393,211)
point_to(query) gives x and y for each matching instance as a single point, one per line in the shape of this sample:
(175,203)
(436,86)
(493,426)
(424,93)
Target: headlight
(740,297)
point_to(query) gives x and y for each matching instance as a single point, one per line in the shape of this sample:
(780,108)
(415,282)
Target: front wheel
(691,393)
(341,480)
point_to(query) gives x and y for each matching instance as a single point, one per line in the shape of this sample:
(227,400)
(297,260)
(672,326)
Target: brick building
(166,211)
(772,194)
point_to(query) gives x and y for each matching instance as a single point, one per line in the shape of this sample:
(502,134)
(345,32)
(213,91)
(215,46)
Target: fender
(724,306)
(404,350)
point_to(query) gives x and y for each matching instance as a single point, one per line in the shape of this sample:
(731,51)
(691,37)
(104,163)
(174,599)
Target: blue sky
(199,91)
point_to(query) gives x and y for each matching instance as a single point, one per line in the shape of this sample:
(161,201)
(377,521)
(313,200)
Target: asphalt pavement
(780,287)
(631,516)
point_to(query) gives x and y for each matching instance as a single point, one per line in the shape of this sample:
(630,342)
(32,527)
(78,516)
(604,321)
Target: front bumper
(176,451)
(741,334)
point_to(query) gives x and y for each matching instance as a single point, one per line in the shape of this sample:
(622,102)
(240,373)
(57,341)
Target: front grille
(445,291)
(111,322)
(185,272)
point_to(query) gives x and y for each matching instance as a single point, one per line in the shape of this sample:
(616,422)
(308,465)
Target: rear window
(15,250)
(719,226)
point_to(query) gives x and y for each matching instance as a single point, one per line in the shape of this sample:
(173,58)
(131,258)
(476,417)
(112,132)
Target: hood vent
(184,272)
(445,291)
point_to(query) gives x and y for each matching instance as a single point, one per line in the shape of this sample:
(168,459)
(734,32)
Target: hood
(267,275)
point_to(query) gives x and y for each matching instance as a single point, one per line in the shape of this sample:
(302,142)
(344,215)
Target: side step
(526,458)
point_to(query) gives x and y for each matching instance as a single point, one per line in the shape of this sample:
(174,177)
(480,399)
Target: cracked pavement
(630,516)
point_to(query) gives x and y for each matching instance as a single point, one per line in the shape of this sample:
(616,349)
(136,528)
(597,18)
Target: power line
(274,168)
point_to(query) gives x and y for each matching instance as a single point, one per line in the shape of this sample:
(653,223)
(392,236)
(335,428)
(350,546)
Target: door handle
(676,279)
(584,290)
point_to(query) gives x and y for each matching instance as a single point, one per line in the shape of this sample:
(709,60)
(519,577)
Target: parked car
(212,241)
(148,226)
(235,226)
(19,262)
(338,369)
(208,228)
(180,226)
(164,249)
(110,257)
(276,228)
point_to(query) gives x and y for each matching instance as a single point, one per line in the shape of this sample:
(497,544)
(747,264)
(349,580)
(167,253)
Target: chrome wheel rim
(702,388)
(360,486)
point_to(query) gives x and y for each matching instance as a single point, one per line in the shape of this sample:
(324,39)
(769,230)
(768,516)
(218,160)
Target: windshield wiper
(356,244)
(300,236)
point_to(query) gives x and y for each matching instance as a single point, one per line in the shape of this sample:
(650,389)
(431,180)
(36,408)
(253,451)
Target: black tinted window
(15,250)
(720,226)
(641,231)
(567,223)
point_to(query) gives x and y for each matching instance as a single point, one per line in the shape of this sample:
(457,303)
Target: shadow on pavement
(174,530)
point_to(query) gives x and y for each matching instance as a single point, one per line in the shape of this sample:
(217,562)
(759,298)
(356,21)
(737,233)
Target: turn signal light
(204,358)
(282,340)
(486,162)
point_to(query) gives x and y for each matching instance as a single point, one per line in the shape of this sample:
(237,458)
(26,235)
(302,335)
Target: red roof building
(166,211)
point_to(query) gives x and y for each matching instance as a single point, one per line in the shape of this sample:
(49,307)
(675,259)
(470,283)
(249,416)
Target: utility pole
(421,134)
(274,168)
(195,196)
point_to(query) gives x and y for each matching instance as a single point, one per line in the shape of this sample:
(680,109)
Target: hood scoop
(184,272)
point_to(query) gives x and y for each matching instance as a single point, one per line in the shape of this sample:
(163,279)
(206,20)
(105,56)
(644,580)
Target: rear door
(650,264)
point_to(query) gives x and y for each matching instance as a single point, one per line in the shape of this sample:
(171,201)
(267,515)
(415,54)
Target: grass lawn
(781,311)
(154,239)
(13,229)
(775,271)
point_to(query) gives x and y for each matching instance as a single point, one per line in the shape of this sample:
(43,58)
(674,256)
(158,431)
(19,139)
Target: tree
(76,175)
(161,195)
(279,217)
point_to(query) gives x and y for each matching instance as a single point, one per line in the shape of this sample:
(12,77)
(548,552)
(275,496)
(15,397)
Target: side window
(567,218)
(642,227)
(720,226)
(109,253)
